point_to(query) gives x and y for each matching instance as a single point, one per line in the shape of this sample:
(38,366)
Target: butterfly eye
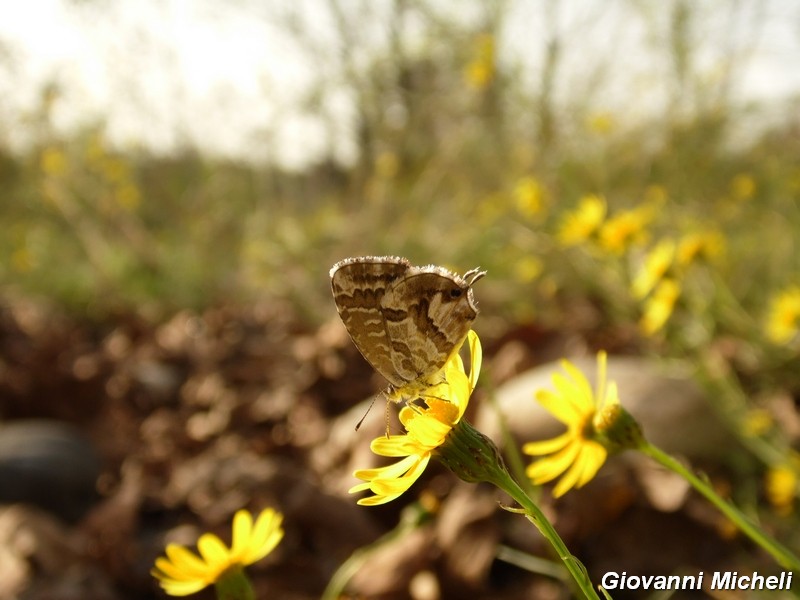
(455,293)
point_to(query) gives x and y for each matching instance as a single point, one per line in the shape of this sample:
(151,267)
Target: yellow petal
(182,588)
(551,467)
(585,466)
(390,471)
(580,391)
(242,529)
(214,552)
(476,358)
(385,487)
(186,561)
(396,445)
(554,403)
(567,482)
(266,534)
(376,500)
(547,446)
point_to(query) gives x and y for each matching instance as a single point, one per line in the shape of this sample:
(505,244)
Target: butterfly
(406,321)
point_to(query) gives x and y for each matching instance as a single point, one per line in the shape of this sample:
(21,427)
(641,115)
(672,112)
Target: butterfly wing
(427,314)
(359,285)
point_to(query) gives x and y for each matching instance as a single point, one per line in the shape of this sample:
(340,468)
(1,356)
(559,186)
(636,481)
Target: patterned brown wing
(427,315)
(359,285)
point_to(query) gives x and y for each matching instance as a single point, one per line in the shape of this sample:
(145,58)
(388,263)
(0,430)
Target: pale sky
(230,77)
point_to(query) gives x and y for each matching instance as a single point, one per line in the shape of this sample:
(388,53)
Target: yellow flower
(706,245)
(427,425)
(480,71)
(655,195)
(53,162)
(780,486)
(601,123)
(528,196)
(659,307)
(783,323)
(582,223)
(743,187)
(528,268)
(756,422)
(656,264)
(579,452)
(182,572)
(625,229)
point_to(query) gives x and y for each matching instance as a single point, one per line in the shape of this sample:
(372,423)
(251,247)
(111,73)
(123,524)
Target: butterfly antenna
(369,408)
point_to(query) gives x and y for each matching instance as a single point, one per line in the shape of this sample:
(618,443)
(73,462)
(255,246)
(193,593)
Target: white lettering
(689,582)
(721,581)
(757,580)
(610,580)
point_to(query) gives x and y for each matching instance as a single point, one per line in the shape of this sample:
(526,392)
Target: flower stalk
(475,458)
(780,553)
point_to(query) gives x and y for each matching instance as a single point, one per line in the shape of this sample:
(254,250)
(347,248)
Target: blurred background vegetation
(616,167)
(460,148)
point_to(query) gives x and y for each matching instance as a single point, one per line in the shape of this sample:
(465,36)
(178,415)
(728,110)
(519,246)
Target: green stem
(234,585)
(780,553)
(536,516)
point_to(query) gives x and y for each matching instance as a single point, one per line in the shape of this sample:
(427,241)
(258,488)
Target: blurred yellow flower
(53,162)
(528,196)
(625,229)
(581,224)
(528,268)
(656,265)
(743,187)
(182,572)
(756,422)
(703,245)
(783,322)
(480,71)
(781,486)
(659,307)
(579,452)
(115,170)
(601,123)
(427,426)
(655,195)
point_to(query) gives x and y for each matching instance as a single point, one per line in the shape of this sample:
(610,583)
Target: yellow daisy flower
(625,229)
(783,323)
(579,452)
(582,223)
(702,245)
(427,426)
(781,485)
(480,71)
(743,187)
(656,265)
(601,123)
(528,197)
(659,307)
(182,572)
